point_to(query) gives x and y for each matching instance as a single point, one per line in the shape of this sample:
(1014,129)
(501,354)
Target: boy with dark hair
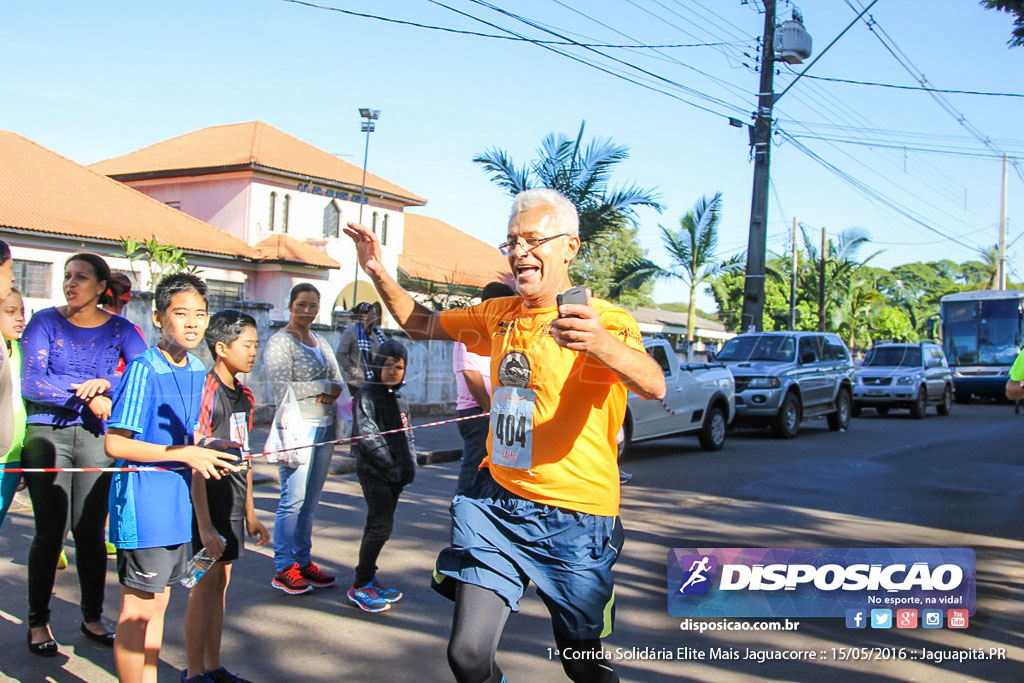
(152,423)
(223,508)
(384,465)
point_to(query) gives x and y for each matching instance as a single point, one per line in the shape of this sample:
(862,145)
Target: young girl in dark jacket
(384,464)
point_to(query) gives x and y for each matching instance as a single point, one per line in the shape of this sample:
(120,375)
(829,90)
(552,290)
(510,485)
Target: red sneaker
(316,577)
(291,581)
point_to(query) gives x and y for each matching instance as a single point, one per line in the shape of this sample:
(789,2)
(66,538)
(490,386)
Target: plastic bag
(290,438)
(343,414)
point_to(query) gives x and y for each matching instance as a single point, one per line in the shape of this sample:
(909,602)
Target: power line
(596,66)
(929,150)
(871,193)
(903,60)
(447,29)
(915,87)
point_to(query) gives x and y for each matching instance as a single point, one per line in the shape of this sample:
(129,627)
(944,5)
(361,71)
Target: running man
(544,507)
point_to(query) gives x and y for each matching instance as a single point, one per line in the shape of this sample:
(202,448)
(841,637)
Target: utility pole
(821,283)
(792,284)
(761,137)
(1002,233)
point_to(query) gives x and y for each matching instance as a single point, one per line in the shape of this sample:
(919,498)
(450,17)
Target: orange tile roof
(250,144)
(290,250)
(45,192)
(433,250)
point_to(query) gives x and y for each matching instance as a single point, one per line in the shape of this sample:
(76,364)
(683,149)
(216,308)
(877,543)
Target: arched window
(374,225)
(273,207)
(384,231)
(332,218)
(284,212)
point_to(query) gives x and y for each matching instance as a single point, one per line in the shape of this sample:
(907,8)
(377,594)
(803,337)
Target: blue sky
(94,80)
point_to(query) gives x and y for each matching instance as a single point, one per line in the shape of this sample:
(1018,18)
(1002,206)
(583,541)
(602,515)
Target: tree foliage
(608,215)
(691,250)
(600,260)
(1016,8)
(863,303)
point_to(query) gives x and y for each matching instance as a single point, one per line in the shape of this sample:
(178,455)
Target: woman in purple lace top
(69,356)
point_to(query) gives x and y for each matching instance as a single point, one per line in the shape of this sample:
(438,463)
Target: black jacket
(390,458)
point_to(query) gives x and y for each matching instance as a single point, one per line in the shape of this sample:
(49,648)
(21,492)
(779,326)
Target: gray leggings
(479,619)
(64,500)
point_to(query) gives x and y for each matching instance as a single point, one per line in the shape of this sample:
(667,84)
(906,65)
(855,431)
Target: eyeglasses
(528,243)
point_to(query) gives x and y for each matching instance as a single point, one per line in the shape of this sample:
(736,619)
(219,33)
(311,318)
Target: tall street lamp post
(370,116)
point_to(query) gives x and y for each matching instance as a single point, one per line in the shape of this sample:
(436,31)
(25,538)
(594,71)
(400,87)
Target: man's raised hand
(367,247)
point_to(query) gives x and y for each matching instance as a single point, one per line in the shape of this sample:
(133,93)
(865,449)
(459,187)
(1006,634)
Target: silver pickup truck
(700,399)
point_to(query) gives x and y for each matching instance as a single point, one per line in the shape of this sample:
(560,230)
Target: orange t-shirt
(579,404)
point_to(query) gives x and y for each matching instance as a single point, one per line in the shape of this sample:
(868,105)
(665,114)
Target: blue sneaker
(389,594)
(366,598)
(198,678)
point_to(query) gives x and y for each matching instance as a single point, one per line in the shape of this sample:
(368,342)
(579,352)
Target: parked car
(783,378)
(904,376)
(699,399)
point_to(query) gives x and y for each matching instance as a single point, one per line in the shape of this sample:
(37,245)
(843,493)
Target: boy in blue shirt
(224,510)
(152,421)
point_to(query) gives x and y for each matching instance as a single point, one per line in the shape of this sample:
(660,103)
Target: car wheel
(920,405)
(712,434)
(840,418)
(855,410)
(786,423)
(947,401)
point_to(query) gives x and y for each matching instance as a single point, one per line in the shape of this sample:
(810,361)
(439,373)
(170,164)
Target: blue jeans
(300,493)
(474,447)
(8,484)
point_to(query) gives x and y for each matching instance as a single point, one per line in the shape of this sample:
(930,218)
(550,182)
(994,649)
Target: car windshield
(894,356)
(758,347)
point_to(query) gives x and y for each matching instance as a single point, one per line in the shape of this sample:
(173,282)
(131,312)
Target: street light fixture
(368,125)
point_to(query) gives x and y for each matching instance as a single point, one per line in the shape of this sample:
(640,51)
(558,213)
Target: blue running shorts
(501,542)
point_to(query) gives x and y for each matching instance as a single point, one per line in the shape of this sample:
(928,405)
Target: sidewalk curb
(344,464)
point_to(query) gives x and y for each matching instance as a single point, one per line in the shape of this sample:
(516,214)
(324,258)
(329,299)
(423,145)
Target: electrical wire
(917,88)
(447,29)
(590,64)
(904,61)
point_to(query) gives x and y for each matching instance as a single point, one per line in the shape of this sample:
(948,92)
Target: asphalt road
(944,481)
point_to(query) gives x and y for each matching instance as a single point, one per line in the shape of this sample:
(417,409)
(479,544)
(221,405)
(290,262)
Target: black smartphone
(573,295)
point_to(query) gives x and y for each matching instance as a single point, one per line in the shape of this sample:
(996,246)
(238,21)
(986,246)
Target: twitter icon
(881,618)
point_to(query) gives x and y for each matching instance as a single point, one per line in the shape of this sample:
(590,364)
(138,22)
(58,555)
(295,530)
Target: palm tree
(692,251)
(582,174)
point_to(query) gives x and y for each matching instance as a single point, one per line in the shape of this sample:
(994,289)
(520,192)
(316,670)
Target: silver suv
(784,377)
(904,376)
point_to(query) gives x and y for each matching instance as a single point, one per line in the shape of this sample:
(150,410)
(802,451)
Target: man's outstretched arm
(418,321)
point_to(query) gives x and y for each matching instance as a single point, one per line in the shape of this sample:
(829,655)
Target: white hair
(566,217)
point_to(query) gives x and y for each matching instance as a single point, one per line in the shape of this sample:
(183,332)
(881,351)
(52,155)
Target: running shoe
(389,594)
(366,598)
(62,560)
(111,550)
(198,678)
(291,581)
(222,675)
(316,577)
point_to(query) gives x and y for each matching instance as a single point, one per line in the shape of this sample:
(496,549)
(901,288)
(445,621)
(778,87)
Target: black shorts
(152,569)
(225,497)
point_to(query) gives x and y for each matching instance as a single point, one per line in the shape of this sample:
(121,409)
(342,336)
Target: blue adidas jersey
(159,403)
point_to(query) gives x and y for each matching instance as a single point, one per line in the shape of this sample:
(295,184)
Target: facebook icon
(856,618)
